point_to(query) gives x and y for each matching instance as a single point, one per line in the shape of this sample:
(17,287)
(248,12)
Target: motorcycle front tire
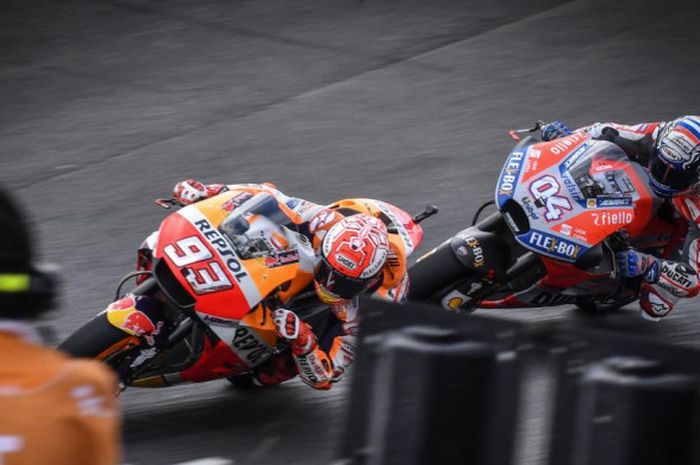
(97,339)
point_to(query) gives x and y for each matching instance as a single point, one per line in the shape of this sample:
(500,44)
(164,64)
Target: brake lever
(619,240)
(168,203)
(515,133)
(427,212)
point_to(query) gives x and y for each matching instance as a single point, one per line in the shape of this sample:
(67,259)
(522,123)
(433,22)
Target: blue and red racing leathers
(675,275)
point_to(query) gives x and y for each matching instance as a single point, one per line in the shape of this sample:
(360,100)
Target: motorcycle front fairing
(564,197)
(226,286)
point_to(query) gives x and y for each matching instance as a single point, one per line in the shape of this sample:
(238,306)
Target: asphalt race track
(104,105)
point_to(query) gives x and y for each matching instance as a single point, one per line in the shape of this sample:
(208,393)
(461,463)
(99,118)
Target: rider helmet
(676,161)
(25,290)
(352,257)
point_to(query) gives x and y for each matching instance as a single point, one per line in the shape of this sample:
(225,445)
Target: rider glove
(555,130)
(190,191)
(288,326)
(633,264)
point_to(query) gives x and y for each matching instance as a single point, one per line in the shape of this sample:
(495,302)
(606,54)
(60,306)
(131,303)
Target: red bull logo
(139,324)
(123,303)
(125,315)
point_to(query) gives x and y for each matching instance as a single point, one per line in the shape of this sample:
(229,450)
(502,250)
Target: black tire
(246,381)
(94,338)
(434,273)
(594,308)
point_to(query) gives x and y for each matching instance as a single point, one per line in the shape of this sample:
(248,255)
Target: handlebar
(515,133)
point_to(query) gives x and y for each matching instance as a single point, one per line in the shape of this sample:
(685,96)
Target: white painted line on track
(208,461)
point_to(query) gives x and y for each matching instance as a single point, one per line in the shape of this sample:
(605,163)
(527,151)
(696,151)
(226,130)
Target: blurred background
(105,105)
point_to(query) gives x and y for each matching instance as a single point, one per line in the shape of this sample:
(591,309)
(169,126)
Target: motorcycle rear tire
(594,308)
(432,276)
(97,339)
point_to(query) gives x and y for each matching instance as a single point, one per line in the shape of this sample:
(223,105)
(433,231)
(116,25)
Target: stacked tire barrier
(431,387)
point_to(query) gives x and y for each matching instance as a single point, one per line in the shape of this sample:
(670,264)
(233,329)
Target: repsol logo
(312,368)
(249,347)
(223,248)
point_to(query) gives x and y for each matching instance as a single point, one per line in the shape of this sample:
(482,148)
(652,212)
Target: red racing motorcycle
(564,208)
(203,311)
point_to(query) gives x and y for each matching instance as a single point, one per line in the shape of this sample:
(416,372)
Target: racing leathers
(673,275)
(53,409)
(317,366)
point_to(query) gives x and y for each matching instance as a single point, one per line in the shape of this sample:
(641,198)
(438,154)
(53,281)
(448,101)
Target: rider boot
(278,369)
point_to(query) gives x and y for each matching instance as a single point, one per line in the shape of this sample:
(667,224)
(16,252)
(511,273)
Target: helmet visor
(339,285)
(670,177)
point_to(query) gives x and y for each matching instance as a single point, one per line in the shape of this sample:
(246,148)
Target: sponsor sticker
(347,262)
(225,252)
(564,144)
(529,208)
(139,324)
(509,176)
(236,201)
(565,229)
(213,320)
(572,188)
(454,300)
(553,246)
(550,299)
(619,217)
(222,246)
(573,158)
(475,246)
(282,258)
(617,202)
(249,346)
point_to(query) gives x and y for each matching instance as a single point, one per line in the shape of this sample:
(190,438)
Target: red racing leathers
(677,277)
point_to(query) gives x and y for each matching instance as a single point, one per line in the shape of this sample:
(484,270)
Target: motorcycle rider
(54,409)
(355,254)
(670,151)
